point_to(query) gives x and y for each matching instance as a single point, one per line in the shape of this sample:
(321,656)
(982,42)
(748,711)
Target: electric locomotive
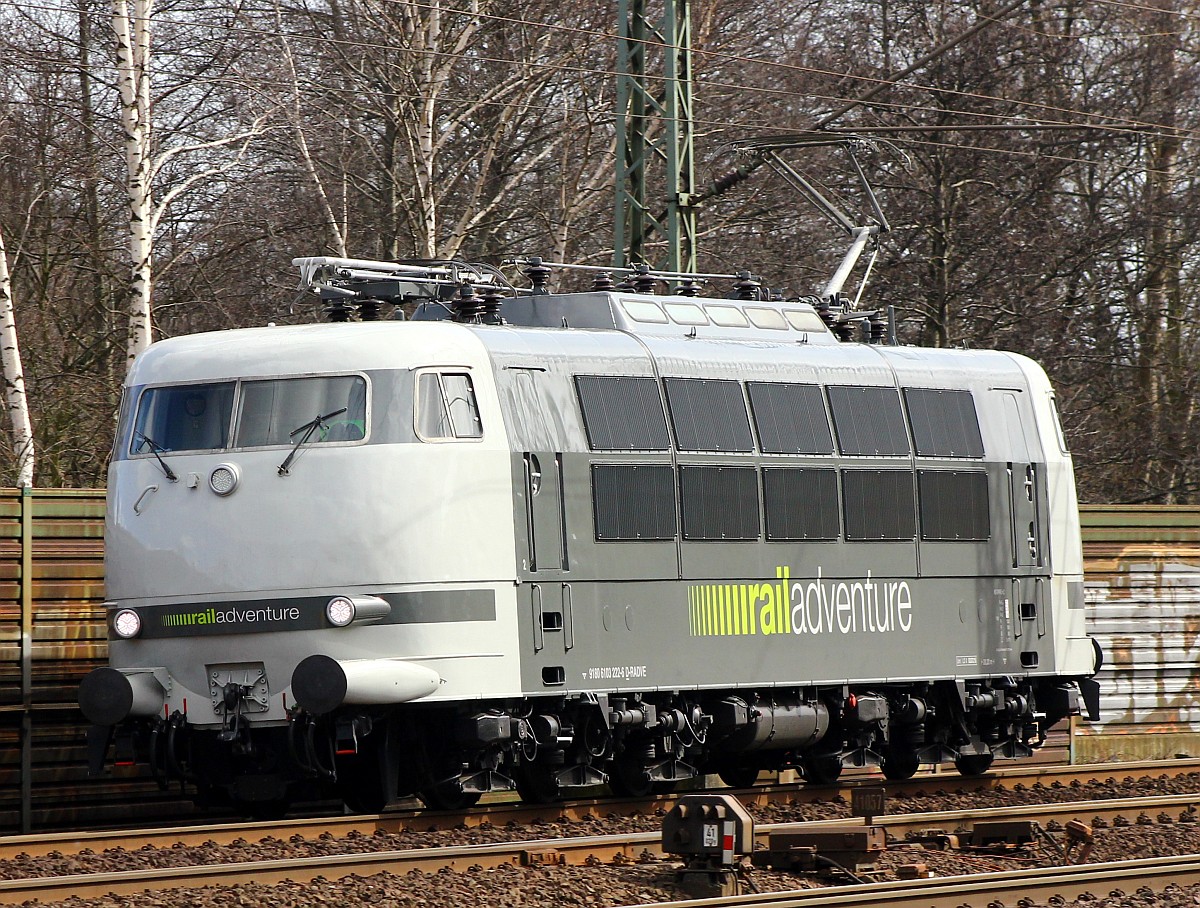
(539,541)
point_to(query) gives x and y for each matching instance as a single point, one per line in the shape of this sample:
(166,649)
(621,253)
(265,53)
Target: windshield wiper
(308,428)
(155,447)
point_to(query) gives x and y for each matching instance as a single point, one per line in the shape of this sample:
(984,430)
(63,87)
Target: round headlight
(340,611)
(127,623)
(223,479)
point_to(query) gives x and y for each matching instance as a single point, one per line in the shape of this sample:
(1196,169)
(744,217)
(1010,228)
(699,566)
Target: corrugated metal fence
(1143,595)
(51,634)
(1143,581)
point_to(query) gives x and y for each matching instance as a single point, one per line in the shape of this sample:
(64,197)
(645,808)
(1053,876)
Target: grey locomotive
(538,541)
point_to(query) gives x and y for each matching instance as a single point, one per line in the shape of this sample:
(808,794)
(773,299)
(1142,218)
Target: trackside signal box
(712,832)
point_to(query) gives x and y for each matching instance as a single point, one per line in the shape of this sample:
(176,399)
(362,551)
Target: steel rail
(583,850)
(1005,887)
(298,870)
(503,813)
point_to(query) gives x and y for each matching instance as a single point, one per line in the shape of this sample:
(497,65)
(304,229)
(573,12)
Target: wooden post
(26,659)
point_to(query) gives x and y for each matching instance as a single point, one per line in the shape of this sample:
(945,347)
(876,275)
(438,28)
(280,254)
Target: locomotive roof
(316,348)
(621,353)
(691,316)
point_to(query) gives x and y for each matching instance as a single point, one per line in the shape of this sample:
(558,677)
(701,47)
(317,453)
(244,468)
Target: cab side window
(446,407)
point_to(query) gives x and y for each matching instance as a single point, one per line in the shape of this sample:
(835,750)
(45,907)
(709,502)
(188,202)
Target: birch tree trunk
(133,81)
(14,378)
(335,225)
(1162,358)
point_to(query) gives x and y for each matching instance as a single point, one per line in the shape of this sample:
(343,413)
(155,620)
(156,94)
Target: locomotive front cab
(284,549)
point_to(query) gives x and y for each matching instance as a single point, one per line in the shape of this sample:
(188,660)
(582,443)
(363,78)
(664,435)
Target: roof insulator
(538,274)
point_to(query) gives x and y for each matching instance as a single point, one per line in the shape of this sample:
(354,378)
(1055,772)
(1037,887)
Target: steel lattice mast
(654,138)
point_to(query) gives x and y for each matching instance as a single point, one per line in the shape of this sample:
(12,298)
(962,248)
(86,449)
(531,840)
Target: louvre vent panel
(633,501)
(801,503)
(954,505)
(869,421)
(944,423)
(709,415)
(879,504)
(622,413)
(790,418)
(719,502)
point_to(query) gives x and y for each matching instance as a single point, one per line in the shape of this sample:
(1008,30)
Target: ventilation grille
(790,418)
(719,502)
(954,506)
(622,413)
(879,504)
(868,420)
(944,423)
(633,501)
(709,415)
(801,503)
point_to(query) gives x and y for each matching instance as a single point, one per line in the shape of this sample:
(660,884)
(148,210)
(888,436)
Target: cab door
(544,511)
(546,563)
(1026,537)
(1024,491)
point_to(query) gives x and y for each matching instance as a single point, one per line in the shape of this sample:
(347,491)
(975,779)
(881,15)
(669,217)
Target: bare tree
(133,81)
(132,28)
(170,191)
(14,378)
(445,114)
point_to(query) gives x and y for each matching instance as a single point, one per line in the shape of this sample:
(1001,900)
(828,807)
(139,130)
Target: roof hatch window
(686,313)
(805,320)
(641,311)
(726,316)
(761,317)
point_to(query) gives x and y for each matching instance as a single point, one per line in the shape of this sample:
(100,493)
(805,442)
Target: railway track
(645,847)
(502,813)
(505,812)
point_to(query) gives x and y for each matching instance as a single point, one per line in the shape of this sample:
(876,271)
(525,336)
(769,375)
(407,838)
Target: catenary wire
(1118,122)
(724,124)
(874,81)
(1128,125)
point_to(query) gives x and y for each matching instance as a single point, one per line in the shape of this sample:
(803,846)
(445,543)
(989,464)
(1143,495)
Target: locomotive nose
(321,684)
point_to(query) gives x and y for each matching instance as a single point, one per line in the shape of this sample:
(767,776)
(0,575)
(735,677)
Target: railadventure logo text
(816,606)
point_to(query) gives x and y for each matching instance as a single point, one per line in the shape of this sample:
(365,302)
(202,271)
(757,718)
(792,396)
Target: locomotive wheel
(738,775)
(363,792)
(822,769)
(971,765)
(899,765)
(627,777)
(448,795)
(537,784)
(366,781)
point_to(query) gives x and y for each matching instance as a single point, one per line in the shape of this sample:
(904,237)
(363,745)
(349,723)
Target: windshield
(200,417)
(273,410)
(183,418)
